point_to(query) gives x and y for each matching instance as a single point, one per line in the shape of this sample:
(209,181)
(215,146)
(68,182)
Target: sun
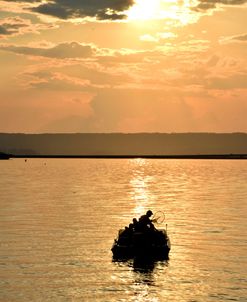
(145,10)
(176,12)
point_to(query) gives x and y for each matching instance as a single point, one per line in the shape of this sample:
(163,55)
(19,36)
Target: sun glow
(145,10)
(176,12)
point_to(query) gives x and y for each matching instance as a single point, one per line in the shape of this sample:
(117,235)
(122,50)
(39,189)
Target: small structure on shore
(4,155)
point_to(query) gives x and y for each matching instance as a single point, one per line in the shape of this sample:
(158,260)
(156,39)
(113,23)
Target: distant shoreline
(199,156)
(145,145)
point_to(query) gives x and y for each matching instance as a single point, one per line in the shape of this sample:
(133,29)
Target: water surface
(59,217)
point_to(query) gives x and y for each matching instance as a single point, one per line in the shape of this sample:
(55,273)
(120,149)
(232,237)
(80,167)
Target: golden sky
(123,66)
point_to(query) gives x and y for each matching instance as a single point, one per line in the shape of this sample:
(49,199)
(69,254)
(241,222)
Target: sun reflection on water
(139,183)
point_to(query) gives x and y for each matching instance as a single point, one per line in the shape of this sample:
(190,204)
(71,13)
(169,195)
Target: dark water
(59,217)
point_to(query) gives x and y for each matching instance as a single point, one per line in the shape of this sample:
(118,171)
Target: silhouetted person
(131,228)
(125,232)
(126,236)
(145,222)
(136,225)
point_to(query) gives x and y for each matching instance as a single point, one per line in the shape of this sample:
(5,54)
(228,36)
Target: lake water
(59,217)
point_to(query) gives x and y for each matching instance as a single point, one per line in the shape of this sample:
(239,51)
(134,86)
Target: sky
(123,66)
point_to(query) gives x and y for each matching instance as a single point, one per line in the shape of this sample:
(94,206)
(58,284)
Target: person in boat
(145,223)
(126,232)
(136,225)
(125,237)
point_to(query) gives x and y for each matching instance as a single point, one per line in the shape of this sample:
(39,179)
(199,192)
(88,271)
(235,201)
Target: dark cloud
(65,9)
(3,30)
(210,4)
(23,1)
(11,26)
(61,51)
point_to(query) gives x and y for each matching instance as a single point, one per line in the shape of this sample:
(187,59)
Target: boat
(149,244)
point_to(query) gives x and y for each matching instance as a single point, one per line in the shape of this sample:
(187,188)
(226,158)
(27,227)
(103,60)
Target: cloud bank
(211,4)
(60,51)
(66,9)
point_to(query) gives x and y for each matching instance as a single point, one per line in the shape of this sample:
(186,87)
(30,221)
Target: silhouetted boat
(142,245)
(4,156)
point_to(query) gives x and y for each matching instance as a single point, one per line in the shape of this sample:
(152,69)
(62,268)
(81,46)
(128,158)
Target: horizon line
(132,156)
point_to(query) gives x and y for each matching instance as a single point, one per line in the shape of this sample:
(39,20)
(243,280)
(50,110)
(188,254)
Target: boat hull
(142,247)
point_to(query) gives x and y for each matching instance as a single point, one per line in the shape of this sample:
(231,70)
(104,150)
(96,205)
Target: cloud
(56,81)
(66,9)
(242,38)
(119,110)
(13,26)
(3,30)
(60,51)
(236,81)
(233,39)
(149,38)
(158,37)
(211,4)
(139,110)
(60,81)
(20,113)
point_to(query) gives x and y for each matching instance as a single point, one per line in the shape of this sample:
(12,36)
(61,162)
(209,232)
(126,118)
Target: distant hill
(124,144)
